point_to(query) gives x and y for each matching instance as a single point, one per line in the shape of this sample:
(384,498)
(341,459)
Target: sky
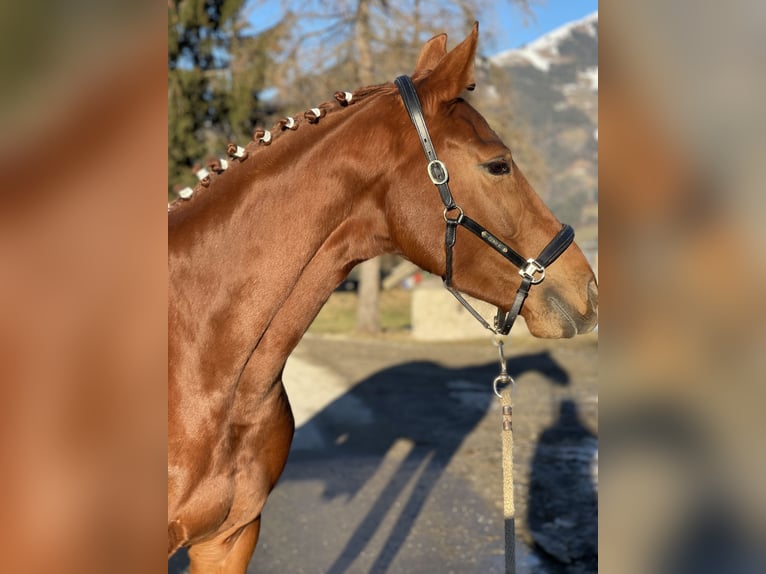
(508,26)
(512,33)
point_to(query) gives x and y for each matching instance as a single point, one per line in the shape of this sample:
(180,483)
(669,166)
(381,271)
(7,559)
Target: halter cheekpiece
(532,271)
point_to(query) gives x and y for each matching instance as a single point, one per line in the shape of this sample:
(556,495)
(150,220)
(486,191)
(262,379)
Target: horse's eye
(498,167)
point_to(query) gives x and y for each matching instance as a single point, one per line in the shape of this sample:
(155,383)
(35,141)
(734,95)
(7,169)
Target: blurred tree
(368,309)
(215,74)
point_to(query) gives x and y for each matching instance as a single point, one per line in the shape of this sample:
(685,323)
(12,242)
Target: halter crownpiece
(437,172)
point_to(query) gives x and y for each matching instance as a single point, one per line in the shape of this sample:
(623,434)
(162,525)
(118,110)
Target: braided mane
(263,138)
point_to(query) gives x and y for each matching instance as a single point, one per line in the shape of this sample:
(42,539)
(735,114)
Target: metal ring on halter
(502,378)
(529,270)
(456,220)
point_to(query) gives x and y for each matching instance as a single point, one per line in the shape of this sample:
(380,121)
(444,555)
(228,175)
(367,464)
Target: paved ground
(395,465)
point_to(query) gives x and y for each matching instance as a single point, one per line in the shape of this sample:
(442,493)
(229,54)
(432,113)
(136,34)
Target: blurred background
(682,143)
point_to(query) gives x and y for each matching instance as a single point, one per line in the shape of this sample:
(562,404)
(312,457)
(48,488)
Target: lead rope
(506,436)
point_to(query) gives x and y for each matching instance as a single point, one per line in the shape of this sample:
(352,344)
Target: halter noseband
(439,175)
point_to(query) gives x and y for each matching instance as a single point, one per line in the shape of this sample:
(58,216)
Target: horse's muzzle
(573,318)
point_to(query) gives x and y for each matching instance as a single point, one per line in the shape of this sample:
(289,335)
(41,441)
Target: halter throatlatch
(532,271)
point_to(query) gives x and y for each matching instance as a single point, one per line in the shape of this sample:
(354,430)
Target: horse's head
(490,188)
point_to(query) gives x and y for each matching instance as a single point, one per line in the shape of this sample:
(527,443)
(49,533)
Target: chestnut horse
(259,248)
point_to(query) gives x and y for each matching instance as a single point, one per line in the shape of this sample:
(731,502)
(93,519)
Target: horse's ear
(454,73)
(432,53)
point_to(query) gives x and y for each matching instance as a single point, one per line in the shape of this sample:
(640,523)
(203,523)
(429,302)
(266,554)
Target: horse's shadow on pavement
(362,470)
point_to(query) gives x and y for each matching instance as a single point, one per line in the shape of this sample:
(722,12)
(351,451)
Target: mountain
(572,42)
(552,84)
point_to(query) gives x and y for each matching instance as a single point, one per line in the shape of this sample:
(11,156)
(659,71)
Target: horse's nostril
(593,293)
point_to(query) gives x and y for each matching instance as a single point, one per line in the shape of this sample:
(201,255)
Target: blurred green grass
(338,316)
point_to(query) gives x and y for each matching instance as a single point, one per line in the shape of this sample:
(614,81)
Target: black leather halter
(439,175)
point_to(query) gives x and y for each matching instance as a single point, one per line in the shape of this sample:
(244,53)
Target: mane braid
(215,169)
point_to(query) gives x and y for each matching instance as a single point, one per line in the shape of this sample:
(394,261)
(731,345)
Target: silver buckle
(440,176)
(529,270)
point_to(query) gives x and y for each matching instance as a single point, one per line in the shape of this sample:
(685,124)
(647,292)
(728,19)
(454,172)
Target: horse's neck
(314,286)
(265,259)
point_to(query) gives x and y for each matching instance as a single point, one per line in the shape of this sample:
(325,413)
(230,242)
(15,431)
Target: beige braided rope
(509,512)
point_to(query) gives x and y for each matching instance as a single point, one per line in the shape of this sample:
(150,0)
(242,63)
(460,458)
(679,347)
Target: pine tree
(215,74)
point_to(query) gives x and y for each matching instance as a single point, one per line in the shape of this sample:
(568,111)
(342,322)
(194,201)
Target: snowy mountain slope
(544,51)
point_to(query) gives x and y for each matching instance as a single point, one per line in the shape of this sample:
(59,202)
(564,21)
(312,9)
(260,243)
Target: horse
(265,238)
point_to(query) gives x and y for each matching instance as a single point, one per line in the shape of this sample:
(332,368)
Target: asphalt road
(396,463)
